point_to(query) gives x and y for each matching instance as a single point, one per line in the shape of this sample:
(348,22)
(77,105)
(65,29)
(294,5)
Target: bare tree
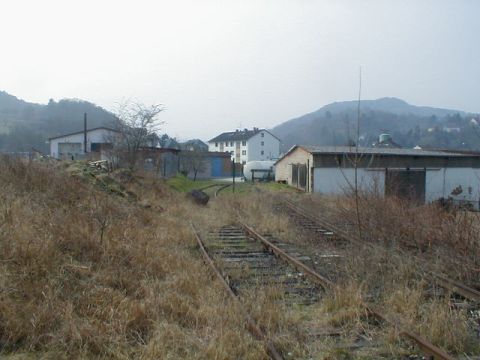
(357,158)
(355,161)
(137,127)
(193,161)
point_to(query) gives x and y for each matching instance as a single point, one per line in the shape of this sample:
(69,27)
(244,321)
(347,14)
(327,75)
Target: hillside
(24,125)
(410,125)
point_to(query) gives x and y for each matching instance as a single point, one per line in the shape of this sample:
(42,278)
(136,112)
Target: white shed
(74,146)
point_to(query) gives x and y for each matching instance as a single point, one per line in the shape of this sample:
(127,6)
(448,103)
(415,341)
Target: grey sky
(217,65)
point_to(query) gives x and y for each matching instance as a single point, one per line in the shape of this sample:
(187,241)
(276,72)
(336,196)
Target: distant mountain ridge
(335,123)
(25,125)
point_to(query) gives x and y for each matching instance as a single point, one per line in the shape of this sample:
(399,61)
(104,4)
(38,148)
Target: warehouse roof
(382,151)
(82,131)
(350,150)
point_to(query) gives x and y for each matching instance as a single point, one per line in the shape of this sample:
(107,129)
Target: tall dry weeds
(86,274)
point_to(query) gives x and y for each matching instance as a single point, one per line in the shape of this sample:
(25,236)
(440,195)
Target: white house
(77,144)
(247,145)
(421,175)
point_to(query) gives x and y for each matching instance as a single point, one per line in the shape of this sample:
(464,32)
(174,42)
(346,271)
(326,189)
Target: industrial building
(76,145)
(421,175)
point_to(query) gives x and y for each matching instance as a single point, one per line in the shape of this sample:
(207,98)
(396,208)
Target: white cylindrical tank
(384,138)
(258,165)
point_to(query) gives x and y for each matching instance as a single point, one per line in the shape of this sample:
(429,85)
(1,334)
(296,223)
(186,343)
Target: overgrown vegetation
(86,272)
(447,240)
(87,275)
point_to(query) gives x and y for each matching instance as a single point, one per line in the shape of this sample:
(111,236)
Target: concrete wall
(342,180)
(95,136)
(270,147)
(167,167)
(440,183)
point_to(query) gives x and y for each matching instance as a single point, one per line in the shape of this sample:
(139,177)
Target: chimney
(85,132)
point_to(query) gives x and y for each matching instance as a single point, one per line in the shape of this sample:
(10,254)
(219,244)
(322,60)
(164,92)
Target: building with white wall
(73,145)
(247,145)
(417,174)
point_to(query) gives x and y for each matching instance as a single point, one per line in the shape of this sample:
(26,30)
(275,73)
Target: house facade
(420,175)
(76,145)
(247,145)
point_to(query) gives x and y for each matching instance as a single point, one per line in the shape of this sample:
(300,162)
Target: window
(261,152)
(216,144)
(244,143)
(244,152)
(262,135)
(226,143)
(263,143)
(231,143)
(244,162)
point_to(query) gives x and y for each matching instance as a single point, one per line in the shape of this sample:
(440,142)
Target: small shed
(164,162)
(422,175)
(208,164)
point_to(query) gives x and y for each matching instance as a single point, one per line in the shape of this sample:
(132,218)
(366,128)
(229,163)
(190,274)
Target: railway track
(219,187)
(244,259)
(460,295)
(323,227)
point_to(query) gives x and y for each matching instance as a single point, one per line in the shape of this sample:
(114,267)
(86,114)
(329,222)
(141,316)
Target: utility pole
(233,175)
(85,132)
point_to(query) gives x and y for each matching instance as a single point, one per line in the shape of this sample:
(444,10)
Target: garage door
(407,184)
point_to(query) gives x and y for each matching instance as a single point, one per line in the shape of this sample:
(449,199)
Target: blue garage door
(217,167)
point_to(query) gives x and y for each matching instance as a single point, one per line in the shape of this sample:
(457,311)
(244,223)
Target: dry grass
(255,208)
(84,274)
(441,241)
(447,241)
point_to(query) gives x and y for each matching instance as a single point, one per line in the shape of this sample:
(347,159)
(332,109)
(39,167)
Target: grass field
(99,266)
(184,184)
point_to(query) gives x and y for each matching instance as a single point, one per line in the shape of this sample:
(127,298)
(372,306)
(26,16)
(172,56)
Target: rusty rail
(252,326)
(456,287)
(441,280)
(429,349)
(319,279)
(222,187)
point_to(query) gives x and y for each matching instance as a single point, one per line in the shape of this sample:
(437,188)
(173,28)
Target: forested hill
(25,125)
(335,124)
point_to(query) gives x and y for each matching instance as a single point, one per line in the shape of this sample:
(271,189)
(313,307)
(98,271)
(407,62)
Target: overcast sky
(219,65)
